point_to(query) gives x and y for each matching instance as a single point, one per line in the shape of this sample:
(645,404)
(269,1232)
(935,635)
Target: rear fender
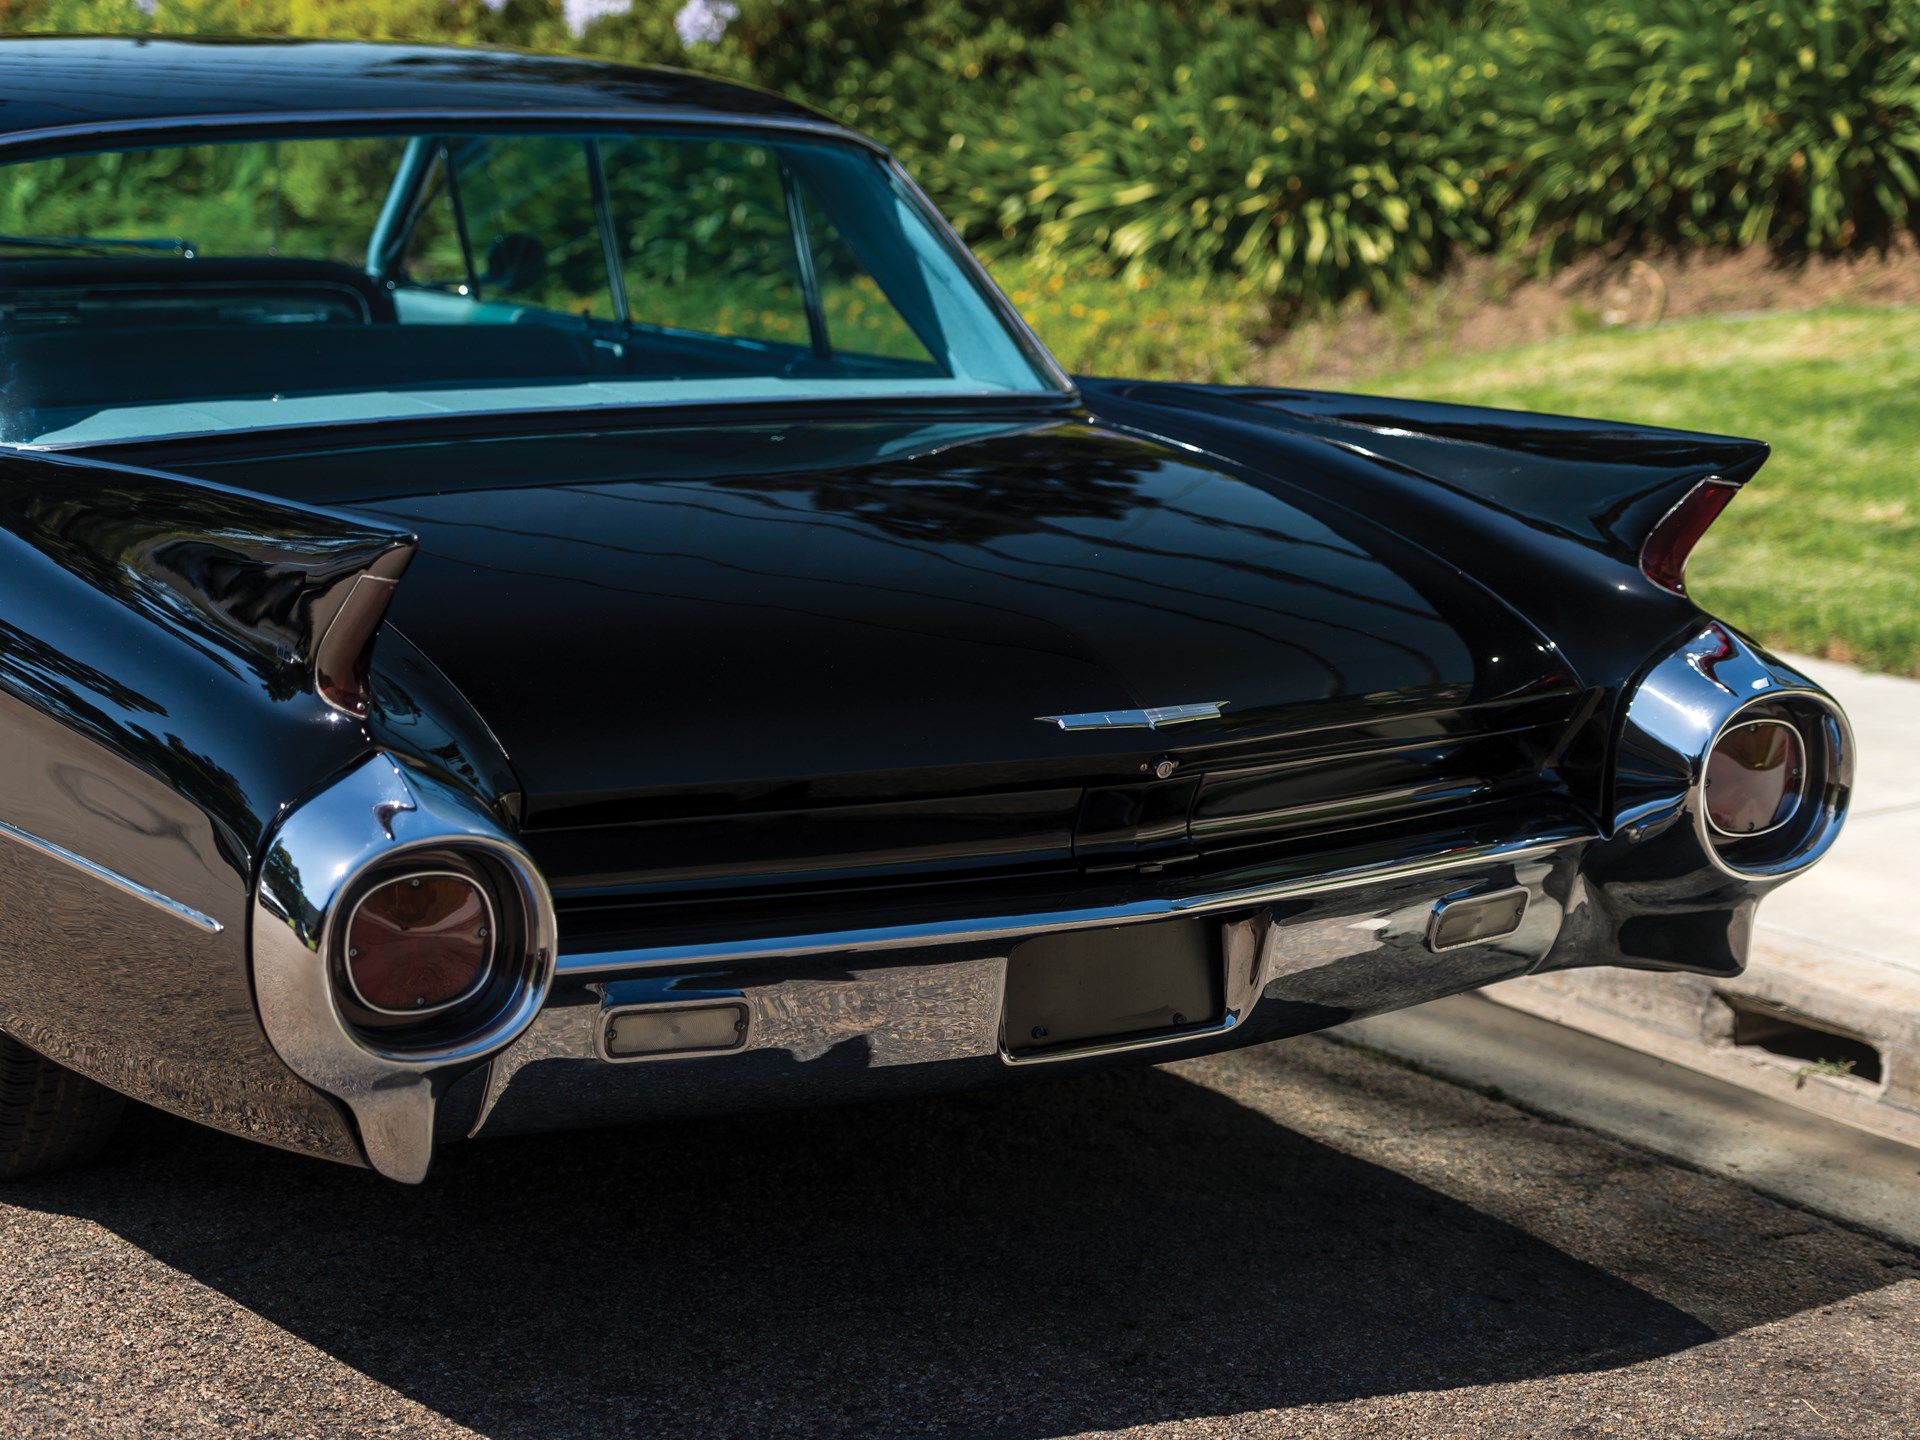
(178,663)
(1552,514)
(293,593)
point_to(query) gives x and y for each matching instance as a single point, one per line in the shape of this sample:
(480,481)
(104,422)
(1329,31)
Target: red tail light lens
(1663,559)
(343,658)
(1755,778)
(420,943)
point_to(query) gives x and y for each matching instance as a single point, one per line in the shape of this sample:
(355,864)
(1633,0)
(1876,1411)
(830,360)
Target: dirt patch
(1489,305)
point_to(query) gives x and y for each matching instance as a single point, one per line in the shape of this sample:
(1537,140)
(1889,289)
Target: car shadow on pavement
(1087,1253)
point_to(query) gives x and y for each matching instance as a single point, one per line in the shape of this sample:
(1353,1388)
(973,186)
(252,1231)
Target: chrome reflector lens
(676,1030)
(420,943)
(1755,777)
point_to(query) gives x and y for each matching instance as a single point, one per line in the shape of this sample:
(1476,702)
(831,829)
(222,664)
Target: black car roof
(69,82)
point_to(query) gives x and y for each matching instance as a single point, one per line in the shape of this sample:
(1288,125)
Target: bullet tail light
(1774,785)
(1663,559)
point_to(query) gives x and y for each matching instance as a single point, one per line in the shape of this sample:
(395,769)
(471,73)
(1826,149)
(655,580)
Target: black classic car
(536,593)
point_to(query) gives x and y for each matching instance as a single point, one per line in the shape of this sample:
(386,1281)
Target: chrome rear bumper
(913,1008)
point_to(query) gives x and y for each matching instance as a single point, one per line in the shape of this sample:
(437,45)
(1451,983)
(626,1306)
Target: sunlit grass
(1821,553)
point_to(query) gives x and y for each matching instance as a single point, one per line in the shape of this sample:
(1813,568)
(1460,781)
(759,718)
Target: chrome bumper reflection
(1298,957)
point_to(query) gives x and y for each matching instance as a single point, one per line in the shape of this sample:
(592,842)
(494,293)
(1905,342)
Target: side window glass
(302,199)
(434,258)
(516,216)
(860,318)
(704,239)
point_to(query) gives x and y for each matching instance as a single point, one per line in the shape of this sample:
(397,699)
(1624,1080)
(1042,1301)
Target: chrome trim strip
(999,927)
(197,919)
(1151,718)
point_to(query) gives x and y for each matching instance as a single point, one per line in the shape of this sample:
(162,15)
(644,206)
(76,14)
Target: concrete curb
(1623,1092)
(1835,969)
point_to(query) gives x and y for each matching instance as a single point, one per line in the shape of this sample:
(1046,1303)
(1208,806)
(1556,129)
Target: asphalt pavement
(1802,1158)
(1303,1239)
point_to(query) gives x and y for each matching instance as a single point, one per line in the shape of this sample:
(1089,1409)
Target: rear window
(188,289)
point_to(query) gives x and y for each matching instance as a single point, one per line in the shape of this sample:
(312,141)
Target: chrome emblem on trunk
(1154,718)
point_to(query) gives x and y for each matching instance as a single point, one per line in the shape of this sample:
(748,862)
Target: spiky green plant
(1793,123)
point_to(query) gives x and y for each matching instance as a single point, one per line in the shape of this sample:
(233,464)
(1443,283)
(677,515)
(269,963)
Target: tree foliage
(1306,150)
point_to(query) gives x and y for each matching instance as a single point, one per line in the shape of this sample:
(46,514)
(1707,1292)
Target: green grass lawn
(1821,553)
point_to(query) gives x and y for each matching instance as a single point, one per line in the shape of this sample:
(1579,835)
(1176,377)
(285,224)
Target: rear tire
(50,1117)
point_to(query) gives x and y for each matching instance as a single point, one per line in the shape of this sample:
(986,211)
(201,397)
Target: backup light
(649,1031)
(1476,919)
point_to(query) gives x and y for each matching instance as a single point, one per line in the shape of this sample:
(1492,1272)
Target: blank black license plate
(1088,986)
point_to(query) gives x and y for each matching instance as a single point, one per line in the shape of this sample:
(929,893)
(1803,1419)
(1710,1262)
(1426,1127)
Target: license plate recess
(1079,989)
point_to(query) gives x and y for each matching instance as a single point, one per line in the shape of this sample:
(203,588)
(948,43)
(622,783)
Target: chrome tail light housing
(1737,752)
(1775,783)
(470,960)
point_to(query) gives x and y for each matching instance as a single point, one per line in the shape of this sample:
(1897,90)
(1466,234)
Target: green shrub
(888,67)
(1299,150)
(1200,328)
(1308,160)
(1787,122)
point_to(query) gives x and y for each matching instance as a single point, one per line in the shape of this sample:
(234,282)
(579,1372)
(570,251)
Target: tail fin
(293,592)
(1594,481)
(1580,525)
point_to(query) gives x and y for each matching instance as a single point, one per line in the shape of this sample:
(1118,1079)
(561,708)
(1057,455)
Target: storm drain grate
(1821,1049)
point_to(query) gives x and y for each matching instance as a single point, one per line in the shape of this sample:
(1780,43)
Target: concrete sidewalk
(1835,974)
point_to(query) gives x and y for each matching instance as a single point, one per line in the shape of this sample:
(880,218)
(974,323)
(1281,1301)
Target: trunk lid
(696,624)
